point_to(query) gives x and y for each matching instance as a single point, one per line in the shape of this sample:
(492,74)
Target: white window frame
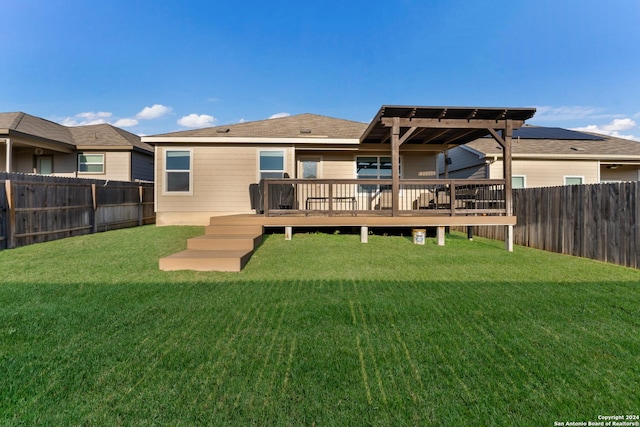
(573,177)
(103,163)
(524,180)
(166,171)
(284,161)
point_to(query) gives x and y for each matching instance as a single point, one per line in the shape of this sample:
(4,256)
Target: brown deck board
(361,221)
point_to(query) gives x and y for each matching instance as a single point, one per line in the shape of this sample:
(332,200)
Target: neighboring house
(35,145)
(208,172)
(545,157)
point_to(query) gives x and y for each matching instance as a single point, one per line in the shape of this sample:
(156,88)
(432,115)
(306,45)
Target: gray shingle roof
(302,125)
(91,135)
(36,126)
(106,135)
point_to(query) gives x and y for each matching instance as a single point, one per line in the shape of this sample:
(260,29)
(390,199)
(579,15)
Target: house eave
(22,139)
(601,157)
(104,148)
(153,140)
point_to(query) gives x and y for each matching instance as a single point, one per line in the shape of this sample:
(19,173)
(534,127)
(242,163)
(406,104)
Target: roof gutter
(153,140)
(602,157)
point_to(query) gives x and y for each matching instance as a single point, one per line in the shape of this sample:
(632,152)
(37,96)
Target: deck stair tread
(227,246)
(199,254)
(227,236)
(233,229)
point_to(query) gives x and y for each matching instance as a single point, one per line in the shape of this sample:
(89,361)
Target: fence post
(140,210)
(95,208)
(11,215)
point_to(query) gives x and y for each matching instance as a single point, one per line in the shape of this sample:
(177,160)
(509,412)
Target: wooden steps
(226,246)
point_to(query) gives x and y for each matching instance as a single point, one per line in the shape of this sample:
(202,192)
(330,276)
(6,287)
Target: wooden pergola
(443,128)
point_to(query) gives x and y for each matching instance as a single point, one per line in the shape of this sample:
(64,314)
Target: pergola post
(395,166)
(507,170)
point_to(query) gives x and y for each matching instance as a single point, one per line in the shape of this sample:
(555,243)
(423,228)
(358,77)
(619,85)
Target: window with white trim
(177,167)
(91,163)
(573,180)
(518,181)
(271,164)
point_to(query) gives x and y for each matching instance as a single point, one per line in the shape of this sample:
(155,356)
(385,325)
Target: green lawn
(320,330)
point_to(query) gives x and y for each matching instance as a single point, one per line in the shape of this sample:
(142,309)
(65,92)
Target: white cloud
(154,112)
(564,113)
(242,120)
(125,123)
(86,118)
(612,129)
(279,115)
(195,120)
(620,124)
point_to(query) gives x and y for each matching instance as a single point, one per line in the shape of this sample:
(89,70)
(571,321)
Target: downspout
(9,153)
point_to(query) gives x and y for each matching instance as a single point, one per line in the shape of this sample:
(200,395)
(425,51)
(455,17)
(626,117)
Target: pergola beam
(451,123)
(458,136)
(497,137)
(435,136)
(407,134)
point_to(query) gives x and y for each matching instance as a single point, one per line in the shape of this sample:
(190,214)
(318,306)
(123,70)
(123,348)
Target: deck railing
(334,197)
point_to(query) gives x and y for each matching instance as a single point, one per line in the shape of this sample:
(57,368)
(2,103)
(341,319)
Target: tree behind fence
(37,208)
(595,221)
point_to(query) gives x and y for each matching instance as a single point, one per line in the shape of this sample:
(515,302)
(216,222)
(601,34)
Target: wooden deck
(362,221)
(229,241)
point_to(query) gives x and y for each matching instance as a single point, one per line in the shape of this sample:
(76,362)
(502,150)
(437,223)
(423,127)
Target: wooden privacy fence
(34,212)
(597,221)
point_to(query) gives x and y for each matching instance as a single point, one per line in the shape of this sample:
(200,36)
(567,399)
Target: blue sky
(160,66)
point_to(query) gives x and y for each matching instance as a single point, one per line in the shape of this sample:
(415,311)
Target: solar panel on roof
(535,132)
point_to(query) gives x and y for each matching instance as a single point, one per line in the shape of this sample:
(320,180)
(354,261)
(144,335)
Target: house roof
(106,136)
(29,125)
(582,145)
(298,126)
(91,136)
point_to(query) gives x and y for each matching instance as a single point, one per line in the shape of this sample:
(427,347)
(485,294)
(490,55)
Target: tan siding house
(222,162)
(546,157)
(30,144)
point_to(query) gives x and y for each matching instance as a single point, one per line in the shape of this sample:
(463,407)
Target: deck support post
(508,238)
(364,234)
(440,234)
(288,233)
